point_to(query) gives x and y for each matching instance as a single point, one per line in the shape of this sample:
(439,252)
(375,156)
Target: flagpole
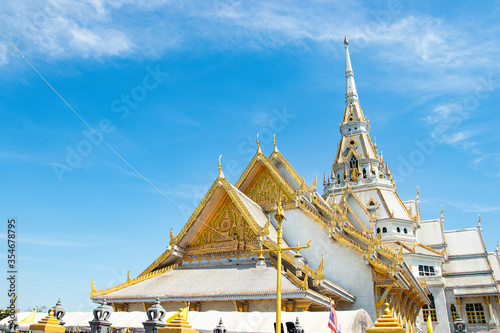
(278,268)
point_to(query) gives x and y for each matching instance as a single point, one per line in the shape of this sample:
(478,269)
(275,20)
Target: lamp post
(298,261)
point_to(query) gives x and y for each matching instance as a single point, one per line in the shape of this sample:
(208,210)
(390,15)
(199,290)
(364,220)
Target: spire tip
(346,42)
(274,142)
(258,145)
(221,174)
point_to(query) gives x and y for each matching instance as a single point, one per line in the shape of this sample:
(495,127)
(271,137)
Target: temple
(368,246)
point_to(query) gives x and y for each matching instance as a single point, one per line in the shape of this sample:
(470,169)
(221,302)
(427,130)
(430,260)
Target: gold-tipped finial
(172,238)
(258,145)
(302,185)
(321,267)
(221,174)
(93,289)
(128,276)
(274,142)
(479,222)
(314,183)
(280,212)
(497,246)
(325,182)
(418,188)
(442,210)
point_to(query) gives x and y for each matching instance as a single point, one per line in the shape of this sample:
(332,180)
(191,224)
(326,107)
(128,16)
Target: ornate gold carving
(265,230)
(313,187)
(227,226)
(354,174)
(265,191)
(321,267)
(240,306)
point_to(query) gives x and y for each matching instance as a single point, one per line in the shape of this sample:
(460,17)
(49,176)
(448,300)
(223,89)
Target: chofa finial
(274,142)
(442,210)
(258,145)
(479,222)
(313,187)
(221,174)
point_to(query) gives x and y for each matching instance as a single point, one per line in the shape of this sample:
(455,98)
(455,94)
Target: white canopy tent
(356,321)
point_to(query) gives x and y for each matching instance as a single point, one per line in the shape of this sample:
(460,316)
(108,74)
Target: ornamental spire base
(387,323)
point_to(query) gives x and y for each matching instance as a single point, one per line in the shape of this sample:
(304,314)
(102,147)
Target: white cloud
(98,43)
(474,207)
(457,137)
(96,28)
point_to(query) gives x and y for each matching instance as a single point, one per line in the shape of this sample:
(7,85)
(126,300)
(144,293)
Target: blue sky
(173,84)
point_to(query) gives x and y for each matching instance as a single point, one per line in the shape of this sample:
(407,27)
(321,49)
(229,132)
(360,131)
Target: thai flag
(333,323)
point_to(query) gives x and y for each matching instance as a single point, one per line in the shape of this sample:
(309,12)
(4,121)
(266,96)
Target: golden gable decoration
(264,190)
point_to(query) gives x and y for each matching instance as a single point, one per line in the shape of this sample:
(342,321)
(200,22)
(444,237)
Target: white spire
(351,95)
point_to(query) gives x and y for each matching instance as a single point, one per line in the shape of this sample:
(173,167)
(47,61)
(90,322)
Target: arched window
(384,230)
(378,230)
(398,230)
(453,312)
(353,162)
(429,309)
(405,231)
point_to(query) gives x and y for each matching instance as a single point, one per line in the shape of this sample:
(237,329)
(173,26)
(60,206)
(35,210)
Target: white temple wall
(263,306)
(343,266)
(217,306)
(360,213)
(443,323)
(450,299)
(136,307)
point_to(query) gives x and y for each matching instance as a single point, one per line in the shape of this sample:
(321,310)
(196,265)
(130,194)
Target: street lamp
(261,261)
(298,261)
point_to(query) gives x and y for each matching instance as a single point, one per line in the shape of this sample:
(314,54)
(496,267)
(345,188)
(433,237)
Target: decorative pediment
(265,190)
(227,226)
